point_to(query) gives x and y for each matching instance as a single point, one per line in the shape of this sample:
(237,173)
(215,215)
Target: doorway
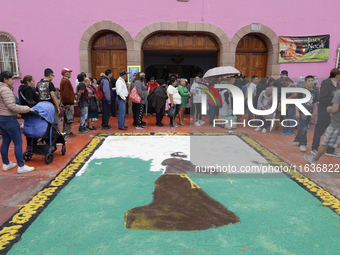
(183,54)
(108,52)
(251,56)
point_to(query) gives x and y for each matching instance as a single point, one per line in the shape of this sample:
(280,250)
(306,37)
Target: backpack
(99,92)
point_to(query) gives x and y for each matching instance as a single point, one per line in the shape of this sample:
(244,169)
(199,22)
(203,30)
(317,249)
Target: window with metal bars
(8,58)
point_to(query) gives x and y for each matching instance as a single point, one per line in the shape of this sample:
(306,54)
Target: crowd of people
(173,97)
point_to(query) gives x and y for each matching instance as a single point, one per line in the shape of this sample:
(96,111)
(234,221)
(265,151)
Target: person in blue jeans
(301,137)
(122,94)
(327,90)
(9,125)
(291,112)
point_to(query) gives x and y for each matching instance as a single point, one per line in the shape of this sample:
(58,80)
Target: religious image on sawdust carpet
(178,203)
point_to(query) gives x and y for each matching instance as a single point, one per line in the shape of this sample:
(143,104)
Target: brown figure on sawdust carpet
(178,203)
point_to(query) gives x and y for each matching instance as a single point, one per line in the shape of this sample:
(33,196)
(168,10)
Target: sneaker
(10,165)
(296,143)
(264,131)
(140,127)
(314,152)
(289,134)
(71,135)
(173,125)
(83,131)
(311,159)
(258,129)
(25,169)
(160,125)
(107,127)
(282,132)
(334,154)
(201,122)
(303,148)
(143,122)
(197,124)
(94,119)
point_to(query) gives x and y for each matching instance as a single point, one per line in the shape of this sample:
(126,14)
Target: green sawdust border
(12,230)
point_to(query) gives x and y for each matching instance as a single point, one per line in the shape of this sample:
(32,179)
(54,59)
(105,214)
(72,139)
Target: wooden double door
(108,52)
(251,56)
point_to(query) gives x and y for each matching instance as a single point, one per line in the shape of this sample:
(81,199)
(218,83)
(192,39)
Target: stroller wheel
(27,155)
(63,150)
(49,158)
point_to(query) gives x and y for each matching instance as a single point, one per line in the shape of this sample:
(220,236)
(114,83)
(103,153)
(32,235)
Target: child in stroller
(39,125)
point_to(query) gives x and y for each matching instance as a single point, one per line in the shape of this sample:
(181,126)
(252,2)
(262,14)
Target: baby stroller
(39,125)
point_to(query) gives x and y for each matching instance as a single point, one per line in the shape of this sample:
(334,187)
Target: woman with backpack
(142,92)
(28,97)
(26,94)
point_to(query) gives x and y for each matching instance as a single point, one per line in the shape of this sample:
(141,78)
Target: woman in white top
(174,99)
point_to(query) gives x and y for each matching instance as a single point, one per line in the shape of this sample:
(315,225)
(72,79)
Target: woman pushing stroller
(9,124)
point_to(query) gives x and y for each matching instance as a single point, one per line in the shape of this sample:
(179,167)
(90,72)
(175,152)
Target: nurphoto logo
(238,105)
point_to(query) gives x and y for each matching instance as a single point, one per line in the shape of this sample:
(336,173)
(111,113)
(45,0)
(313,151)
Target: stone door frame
(272,41)
(134,46)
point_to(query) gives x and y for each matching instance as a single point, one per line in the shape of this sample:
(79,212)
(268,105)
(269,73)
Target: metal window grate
(8,58)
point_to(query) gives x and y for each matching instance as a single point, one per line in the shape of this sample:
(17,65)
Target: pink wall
(51,30)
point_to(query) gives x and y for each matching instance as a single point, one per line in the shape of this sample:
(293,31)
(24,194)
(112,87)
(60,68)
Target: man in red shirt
(67,98)
(150,86)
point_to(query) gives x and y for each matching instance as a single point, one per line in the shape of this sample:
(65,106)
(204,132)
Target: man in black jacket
(327,91)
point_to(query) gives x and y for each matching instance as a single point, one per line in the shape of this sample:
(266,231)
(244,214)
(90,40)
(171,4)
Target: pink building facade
(58,34)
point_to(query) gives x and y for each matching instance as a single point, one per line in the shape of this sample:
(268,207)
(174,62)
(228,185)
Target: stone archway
(270,38)
(135,57)
(89,36)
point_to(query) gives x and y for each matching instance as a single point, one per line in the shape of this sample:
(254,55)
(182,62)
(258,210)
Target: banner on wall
(304,48)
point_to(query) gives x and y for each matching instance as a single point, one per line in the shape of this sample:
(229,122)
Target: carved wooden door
(251,56)
(108,52)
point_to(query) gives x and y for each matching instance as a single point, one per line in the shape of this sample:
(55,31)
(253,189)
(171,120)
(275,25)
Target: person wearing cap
(291,111)
(106,88)
(67,98)
(122,94)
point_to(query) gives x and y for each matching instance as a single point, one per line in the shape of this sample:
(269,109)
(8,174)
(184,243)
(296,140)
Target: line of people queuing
(162,97)
(324,104)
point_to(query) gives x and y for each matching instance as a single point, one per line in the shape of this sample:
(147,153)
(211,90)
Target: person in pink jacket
(9,125)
